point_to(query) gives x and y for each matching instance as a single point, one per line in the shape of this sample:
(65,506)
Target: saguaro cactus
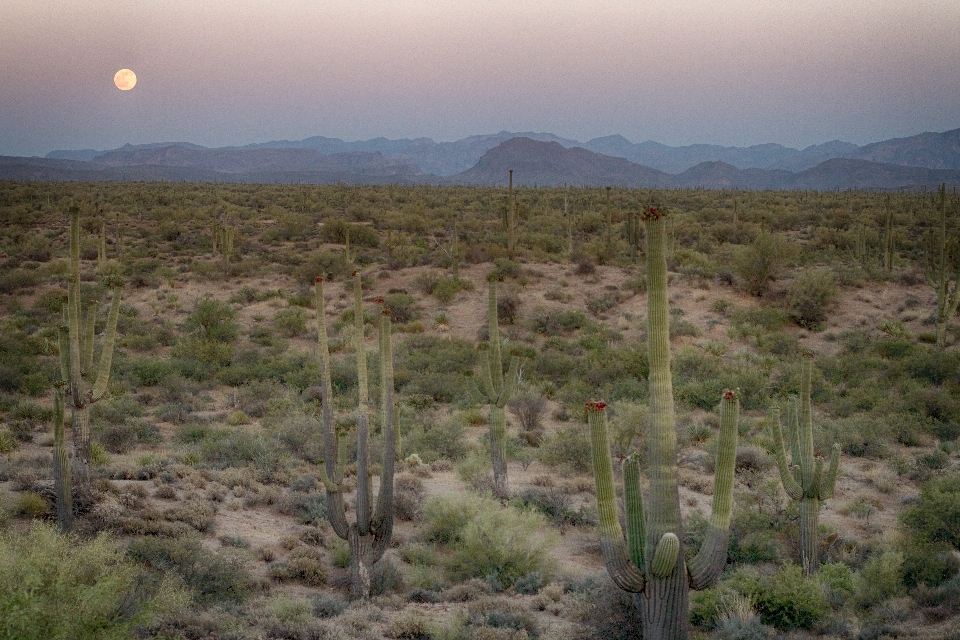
(803,477)
(369,536)
(496,389)
(77,363)
(943,265)
(650,560)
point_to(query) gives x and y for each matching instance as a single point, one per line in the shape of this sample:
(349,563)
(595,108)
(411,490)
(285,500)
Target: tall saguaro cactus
(77,364)
(496,389)
(803,477)
(369,536)
(650,560)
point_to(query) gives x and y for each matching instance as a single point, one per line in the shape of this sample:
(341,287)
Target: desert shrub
(554,504)
(501,543)
(385,578)
(568,448)
(760,262)
(433,366)
(785,600)
(291,322)
(502,614)
(434,441)
(305,507)
(447,289)
(211,577)
(605,611)
(53,586)
(148,371)
(812,296)
(529,410)
(402,306)
(408,495)
(303,564)
(336,230)
(213,320)
(328,605)
(880,578)
(935,517)
(31,504)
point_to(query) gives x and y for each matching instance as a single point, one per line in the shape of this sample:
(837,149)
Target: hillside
(207,446)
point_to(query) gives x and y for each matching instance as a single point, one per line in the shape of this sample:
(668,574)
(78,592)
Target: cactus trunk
(650,560)
(496,389)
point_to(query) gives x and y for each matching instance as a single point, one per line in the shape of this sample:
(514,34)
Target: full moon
(125,79)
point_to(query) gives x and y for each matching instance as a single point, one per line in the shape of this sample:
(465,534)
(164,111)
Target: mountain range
(538,159)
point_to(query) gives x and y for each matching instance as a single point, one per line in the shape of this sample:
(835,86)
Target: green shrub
(812,296)
(880,578)
(761,261)
(786,599)
(211,577)
(213,320)
(501,543)
(53,586)
(291,322)
(569,448)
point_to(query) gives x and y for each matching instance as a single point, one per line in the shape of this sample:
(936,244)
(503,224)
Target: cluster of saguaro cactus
(803,477)
(496,389)
(943,270)
(222,239)
(77,348)
(650,561)
(369,536)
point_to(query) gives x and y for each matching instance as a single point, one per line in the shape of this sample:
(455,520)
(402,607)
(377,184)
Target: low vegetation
(203,507)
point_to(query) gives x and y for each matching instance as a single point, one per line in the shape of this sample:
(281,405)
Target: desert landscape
(202,505)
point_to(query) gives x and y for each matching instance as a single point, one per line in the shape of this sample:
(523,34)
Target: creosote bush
(488,540)
(54,586)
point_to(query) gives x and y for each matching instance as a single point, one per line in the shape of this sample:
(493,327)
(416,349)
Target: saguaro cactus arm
(331,470)
(829,481)
(106,355)
(706,566)
(616,554)
(787,472)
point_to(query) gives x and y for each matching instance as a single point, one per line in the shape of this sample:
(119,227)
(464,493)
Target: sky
(230,72)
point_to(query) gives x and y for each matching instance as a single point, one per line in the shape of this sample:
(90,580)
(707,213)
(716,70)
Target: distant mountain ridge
(540,159)
(546,164)
(930,150)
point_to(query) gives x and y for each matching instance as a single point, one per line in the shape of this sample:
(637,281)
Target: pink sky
(797,72)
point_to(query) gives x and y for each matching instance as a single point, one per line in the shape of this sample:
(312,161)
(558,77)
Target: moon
(125,79)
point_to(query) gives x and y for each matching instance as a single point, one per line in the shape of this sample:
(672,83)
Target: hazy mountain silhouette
(549,164)
(932,150)
(537,158)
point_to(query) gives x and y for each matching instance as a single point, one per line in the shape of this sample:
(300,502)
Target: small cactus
(496,389)
(803,476)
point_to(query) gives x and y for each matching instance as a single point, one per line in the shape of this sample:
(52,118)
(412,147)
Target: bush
(501,543)
(812,296)
(879,579)
(785,600)
(53,586)
(211,577)
(935,517)
(212,320)
(759,262)
(568,448)
(291,322)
